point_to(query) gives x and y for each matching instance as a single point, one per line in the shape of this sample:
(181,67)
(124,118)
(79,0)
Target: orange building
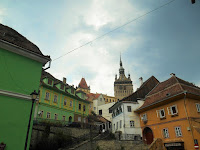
(171,112)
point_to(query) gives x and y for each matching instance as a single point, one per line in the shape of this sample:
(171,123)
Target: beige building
(109,99)
(122,86)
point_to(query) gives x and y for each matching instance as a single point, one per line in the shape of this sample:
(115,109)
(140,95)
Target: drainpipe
(187,116)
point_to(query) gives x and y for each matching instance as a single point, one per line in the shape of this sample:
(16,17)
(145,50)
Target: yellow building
(171,112)
(109,99)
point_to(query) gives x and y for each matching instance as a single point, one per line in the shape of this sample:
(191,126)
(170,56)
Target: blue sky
(158,44)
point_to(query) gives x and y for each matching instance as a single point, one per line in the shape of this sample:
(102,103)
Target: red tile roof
(92,96)
(169,88)
(83,84)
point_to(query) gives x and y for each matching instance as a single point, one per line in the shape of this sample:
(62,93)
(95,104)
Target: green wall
(20,75)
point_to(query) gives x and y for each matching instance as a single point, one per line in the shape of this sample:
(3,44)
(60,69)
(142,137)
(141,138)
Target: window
(129,108)
(79,119)
(94,108)
(100,112)
(198,107)
(132,124)
(83,107)
(114,126)
(144,117)
(178,131)
(120,124)
(72,90)
(165,133)
(113,101)
(47,96)
(48,115)
(110,100)
(62,87)
(79,106)
(56,116)
(49,81)
(172,110)
(161,113)
(70,103)
(40,113)
(63,118)
(65,102)
(55,98)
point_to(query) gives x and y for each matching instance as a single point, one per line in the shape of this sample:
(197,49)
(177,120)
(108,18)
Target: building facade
(59,101)
(21,67)
(122,86)
(171,112)
(109,99)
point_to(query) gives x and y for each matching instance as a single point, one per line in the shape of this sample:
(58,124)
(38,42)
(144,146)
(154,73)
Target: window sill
(174,115)
(163,118)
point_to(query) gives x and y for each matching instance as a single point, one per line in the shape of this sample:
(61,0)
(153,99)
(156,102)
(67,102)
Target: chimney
(64,80)
(141,81)
(172,74)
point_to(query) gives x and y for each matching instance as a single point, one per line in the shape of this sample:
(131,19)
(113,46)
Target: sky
(162,42)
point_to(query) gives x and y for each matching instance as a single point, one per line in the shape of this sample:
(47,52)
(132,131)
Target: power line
(115,29)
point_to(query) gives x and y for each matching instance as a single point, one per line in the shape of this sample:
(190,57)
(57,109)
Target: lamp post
(33,97)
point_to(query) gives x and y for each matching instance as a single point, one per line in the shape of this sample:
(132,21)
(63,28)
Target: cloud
(2,14)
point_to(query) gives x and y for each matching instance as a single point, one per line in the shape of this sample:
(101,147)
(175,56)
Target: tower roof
(83,84)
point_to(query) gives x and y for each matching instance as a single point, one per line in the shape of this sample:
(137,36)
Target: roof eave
(24,52)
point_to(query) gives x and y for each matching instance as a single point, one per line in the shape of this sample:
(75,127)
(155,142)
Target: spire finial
(120,60)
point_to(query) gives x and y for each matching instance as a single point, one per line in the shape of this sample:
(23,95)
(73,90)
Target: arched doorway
(147,135)
(70,119)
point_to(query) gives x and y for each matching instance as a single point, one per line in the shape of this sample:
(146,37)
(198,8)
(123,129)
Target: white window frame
(132,123)
(144,117)
(41,113)
(128,109)
(55,98)
(198,107)
(159,114)
(170,112)
(165,133)
(178,131)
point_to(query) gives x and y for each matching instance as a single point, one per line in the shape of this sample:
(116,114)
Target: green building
(21,65)
(59,102)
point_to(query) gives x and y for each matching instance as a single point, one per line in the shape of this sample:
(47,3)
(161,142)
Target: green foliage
(122,148)
(98,148)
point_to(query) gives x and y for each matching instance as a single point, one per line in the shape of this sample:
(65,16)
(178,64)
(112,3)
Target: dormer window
(62,87)
(72,90)
(49,81)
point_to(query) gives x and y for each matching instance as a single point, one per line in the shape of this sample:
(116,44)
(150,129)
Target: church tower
(122,86)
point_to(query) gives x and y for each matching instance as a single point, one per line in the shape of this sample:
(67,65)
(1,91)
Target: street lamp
(33,97)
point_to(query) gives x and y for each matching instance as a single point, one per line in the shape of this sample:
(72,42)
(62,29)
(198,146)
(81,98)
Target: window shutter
(157,112)
(176,109)
(169,110)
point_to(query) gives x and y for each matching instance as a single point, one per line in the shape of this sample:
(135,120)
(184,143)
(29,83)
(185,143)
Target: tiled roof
(143,90)
(92,96)
(83,84)
(102,119)
(11,36)
(169,88)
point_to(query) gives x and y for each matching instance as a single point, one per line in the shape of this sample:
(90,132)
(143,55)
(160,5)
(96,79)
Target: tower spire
(120,60)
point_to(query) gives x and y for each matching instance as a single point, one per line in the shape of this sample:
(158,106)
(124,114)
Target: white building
(104,110)
(125,121)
